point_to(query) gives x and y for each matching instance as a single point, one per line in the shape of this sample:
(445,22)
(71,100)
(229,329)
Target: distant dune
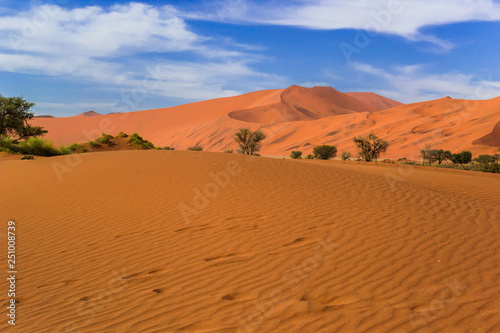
(299,118)
(88,114)
(175,241)
(377,101)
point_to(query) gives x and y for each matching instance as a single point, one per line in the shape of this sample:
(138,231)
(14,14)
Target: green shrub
(345,156)
(388,161)
(122,135)
(93,144)
(27,157)
(104,139)
(402,159)
(310,157)
(73,148)
(7,145)
(139,141)
(164,148)
(296,154)
(195,148)
(324,152)
(229,151)
(38,147)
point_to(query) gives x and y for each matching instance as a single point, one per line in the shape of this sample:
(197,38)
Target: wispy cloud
(414,84)
(399,17)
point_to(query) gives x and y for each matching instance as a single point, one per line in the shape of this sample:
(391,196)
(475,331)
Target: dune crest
(375,100)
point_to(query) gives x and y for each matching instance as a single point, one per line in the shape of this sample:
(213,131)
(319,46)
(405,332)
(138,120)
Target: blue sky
(116,56)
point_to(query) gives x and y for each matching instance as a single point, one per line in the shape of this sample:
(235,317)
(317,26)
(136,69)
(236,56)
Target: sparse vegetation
(370,147)
(296,154)
(139,141)
(93,144)
(164,148)
(104,139)
(195,148)
(250,142)
(122,135)
(27,157)
(324,152)
(228,151)
(309,157)
(73,148)
(346,156)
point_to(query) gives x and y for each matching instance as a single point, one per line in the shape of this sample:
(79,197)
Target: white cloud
(114,47)
(399,17)
(413,84)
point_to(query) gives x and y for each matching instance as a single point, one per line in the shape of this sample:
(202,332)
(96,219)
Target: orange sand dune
(302,104)
(299,118)
(174,241)
(377,101)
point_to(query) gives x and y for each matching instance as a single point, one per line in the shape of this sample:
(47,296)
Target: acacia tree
(462,158)
(249,142)
(14,119)
(441,155)
(427,154)
(370,147)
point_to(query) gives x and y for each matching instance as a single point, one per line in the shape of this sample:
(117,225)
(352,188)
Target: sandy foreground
(167,241)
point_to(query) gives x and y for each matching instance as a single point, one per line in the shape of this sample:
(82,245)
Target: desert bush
(346,156)
(73,148)
(296,154)
(139,141)
(402,159)
(104,139)
(309,157)
(324,152)
(196,148)
(122,135)
(228,151)
(164,148)
(8,145)
(38,147)
(93,144)
(250,142)
(370,147)
(388,161)
(27,157)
